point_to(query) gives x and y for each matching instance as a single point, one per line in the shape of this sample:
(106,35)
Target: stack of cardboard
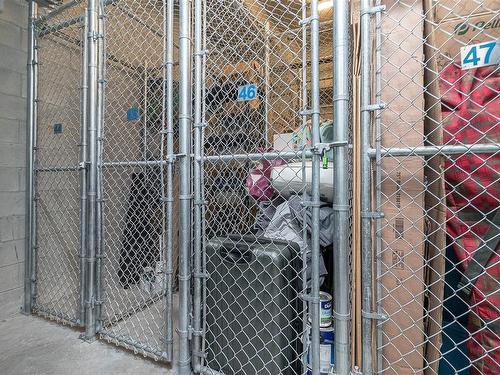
(412,236)
(402,190)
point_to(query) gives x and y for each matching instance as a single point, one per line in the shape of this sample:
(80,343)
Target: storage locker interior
(261,43)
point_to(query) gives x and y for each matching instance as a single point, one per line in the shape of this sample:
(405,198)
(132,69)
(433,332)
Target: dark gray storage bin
(253,309)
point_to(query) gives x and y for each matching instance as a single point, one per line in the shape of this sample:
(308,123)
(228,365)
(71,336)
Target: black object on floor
(140,235)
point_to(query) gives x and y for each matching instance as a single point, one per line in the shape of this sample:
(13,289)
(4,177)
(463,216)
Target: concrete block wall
(13,50)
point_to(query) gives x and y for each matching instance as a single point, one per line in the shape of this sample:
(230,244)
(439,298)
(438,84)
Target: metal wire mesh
(257,247)
(434,152)
(134,275)
(438,207)
(57,181)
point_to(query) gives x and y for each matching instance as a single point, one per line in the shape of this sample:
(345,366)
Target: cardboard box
(453,34)
(446,9)
(402,191)
(411,119)
(412,231)
(403,263)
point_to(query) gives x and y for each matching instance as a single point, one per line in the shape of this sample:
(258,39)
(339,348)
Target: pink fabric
(259,180)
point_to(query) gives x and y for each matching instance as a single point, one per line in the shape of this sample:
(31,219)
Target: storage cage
(268,187)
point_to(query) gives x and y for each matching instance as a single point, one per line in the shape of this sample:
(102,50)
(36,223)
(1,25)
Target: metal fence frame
(191,328)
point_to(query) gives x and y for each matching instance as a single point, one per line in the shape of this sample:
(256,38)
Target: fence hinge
(374,315)
(93,303)
(201,275)
(373,10)
(201,53)
(356,371)
(199,354)
(308,112)
(308,20)
(311,204)
(95,35)
(192,332)
(373,107)
(373,214)
(83,165)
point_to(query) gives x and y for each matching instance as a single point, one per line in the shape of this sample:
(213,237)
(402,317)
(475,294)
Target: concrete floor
(35,346)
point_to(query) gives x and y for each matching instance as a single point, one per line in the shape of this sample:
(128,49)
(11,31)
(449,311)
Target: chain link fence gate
(101,112)
(262,94)
(138,185)
(56,215)
(430,149)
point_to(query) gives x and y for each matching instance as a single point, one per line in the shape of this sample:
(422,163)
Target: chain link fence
(241,182)
(262,264)
(137,271)
(58,59)
(435,173)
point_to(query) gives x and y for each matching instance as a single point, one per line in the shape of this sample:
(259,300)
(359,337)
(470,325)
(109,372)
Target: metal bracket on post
(305,113)
(374,315)
(83,165)
(373,215)
(200,125)
(373,10)
(202,53)
(95,36)
(311,204)
(306,21)
(199,354)
(320,148)
(193,332)
(309,298)
(374,107)
(201,275)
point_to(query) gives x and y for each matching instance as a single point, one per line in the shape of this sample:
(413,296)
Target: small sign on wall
(133,114)
(247,92)
(481,54)
(58,128)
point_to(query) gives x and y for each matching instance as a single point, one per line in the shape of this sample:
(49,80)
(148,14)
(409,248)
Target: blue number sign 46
(247,92)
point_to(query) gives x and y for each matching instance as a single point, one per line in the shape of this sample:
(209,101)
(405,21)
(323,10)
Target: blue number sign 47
(481,54)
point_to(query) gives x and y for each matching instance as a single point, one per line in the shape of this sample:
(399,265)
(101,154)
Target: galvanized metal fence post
(101,100)
(169,131)
(378,180)
(315,193)
(29,268)
(185,97)
(197,182)
(92,55)
(366,220)
(341,207)
(83,172)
